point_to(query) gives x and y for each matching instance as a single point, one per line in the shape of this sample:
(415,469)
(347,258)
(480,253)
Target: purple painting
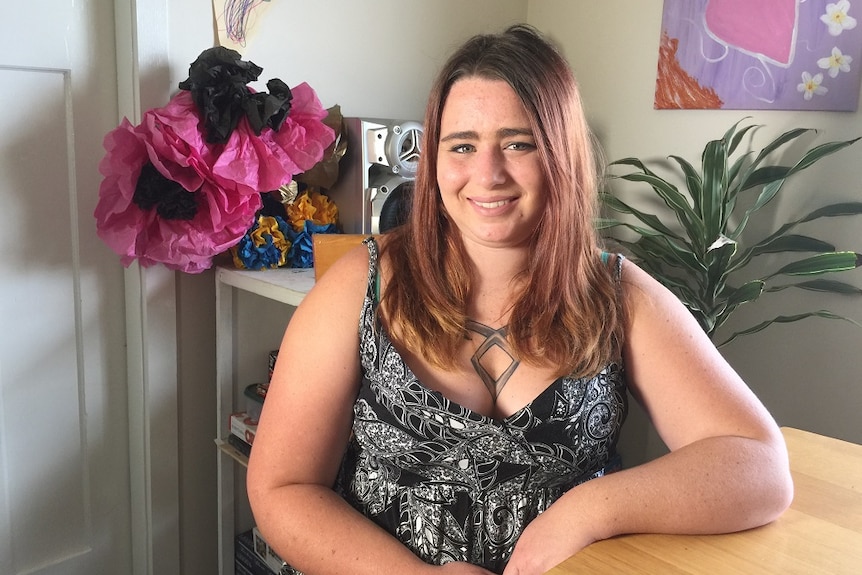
(759,54)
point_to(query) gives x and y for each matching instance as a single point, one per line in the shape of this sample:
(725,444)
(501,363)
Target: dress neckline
(373,297)
(455,406)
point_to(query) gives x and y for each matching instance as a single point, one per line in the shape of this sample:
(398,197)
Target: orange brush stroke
(674,88)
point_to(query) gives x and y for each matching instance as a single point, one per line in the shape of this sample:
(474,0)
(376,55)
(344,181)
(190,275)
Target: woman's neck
(498,278)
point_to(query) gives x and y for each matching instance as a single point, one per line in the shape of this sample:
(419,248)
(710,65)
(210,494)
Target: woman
(469,424)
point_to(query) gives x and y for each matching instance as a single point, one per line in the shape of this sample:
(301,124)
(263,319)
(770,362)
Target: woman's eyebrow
(509,132)
(472,135)
(464,135)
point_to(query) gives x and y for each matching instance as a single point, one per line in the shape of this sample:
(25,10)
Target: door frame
(143,82)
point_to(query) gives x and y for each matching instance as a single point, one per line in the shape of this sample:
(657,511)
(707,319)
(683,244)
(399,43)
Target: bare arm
(727,469)
(302,435)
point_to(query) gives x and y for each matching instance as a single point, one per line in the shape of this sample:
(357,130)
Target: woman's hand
(458,568)
(545,543)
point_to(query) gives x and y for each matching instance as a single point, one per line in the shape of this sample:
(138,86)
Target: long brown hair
(568,314)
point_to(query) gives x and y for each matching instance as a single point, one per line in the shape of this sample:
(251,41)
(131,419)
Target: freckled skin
(489,173)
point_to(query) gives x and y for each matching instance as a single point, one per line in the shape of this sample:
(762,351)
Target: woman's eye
(521,146)
(462,148)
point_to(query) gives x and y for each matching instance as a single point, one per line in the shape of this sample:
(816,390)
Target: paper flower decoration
(264,246)
(184,185)
(314,207)
(285,241)
(311,213)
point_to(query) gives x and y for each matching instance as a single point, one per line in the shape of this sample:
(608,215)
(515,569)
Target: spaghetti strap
(373,288)
(618,264)
(618,268)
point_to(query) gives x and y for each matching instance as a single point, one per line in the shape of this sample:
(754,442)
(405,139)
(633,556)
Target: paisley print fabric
(453,484)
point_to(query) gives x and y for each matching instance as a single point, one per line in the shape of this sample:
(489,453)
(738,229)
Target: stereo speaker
(376,174)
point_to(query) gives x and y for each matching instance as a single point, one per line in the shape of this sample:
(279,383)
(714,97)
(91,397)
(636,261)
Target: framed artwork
(759,55)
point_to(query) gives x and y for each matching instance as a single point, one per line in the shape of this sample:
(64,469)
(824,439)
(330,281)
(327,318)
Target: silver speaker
(377,170)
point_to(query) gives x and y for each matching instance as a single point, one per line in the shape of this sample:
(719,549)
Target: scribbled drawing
(235,19)
(758,54)
(236,15)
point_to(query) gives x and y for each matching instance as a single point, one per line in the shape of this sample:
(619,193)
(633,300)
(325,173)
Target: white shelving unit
(288,286)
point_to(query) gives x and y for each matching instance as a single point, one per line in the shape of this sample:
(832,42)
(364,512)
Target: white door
(64,432)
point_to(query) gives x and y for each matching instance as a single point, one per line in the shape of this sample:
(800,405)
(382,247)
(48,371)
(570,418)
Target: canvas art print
(760,54)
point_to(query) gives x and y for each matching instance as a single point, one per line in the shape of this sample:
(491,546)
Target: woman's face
(488,170)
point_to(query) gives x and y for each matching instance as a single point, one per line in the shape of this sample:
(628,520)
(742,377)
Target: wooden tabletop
(821,533)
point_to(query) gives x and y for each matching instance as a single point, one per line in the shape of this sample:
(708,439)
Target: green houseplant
(701,257)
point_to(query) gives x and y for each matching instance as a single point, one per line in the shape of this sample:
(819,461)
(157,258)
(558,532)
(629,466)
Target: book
(246,560)
(239,444)
(243,426)
(265,552)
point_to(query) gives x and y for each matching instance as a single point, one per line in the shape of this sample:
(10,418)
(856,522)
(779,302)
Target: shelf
(287,285)
(284,285)
(232,451)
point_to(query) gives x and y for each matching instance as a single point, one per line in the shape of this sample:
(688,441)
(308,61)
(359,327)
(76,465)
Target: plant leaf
(771,189)
(819,264)
(765,151)
(693,181)
(821,151)
(792,243)
(677,202)
(821,285)
(673,254)
(606,223)
(745,293)
(766,175)
(787,319)
(733,137)
(781,244)
(717,258)
(649,219)
(735,297)
(832,210)
(714,187)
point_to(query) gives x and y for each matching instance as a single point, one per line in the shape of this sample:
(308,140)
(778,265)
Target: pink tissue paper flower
(225,180)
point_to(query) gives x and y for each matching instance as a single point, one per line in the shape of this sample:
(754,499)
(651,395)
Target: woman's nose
(491,167)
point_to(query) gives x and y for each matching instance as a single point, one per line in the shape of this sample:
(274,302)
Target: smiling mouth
(490,205)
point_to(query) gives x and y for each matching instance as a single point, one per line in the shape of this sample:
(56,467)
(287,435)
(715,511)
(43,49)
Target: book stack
(253,556)
(242,431)
(242,426)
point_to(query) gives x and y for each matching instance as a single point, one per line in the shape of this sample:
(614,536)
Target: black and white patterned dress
(455,485)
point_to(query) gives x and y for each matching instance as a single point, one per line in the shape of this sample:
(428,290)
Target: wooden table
(821,533)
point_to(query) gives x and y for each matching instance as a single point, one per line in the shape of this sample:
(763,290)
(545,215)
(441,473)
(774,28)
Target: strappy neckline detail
(373,294)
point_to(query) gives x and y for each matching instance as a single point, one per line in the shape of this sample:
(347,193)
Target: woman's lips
(489,205)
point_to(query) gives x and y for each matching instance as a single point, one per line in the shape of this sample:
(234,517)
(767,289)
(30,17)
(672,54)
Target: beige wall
(806,372)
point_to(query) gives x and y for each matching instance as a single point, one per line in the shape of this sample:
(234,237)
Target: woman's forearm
(317,532)
(715,485)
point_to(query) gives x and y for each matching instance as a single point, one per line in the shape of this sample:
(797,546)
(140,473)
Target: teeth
(492,204)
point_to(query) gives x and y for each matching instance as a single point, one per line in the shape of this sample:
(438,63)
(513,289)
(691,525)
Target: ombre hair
(568,314)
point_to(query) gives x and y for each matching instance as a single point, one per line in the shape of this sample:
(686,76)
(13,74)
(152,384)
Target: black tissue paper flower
(217,82)
(271,109)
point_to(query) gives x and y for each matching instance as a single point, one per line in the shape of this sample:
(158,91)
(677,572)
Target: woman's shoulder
(634,275)
(648,302)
